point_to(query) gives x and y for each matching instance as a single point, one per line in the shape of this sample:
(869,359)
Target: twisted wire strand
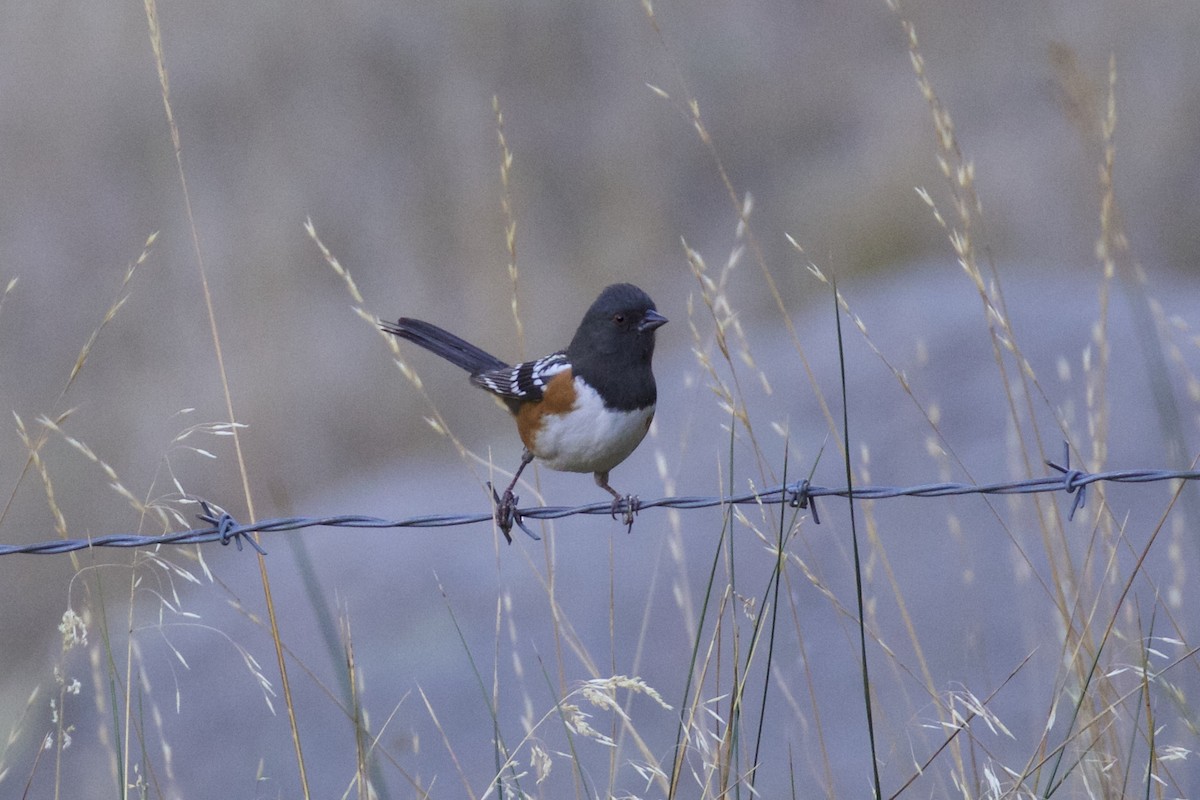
(225,529)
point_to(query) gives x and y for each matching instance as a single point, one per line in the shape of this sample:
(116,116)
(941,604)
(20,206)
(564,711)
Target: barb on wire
(227,528)
(224,528)
(800,496)
(1072,480)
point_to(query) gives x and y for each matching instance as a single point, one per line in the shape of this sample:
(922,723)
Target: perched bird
(582,409)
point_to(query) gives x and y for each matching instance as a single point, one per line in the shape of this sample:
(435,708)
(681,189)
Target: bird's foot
(506,511)
(507,514)
(628,506)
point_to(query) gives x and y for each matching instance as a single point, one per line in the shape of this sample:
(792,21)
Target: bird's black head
(615,343)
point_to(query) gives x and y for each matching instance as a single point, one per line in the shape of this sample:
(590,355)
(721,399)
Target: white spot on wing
(524,379)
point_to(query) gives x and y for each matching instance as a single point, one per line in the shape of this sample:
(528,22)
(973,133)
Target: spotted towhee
(583,409)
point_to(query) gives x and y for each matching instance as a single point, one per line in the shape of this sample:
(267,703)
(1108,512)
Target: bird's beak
(652,321)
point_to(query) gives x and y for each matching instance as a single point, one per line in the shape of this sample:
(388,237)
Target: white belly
(590,438)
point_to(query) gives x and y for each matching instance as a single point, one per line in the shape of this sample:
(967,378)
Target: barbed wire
(224,528)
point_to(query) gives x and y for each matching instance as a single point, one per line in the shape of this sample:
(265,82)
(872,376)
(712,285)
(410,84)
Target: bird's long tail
(445,344)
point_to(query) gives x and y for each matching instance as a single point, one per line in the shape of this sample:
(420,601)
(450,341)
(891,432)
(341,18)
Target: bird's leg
(627,504)
(507,505)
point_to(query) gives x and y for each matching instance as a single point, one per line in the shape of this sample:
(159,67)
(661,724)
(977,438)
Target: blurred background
(376,121)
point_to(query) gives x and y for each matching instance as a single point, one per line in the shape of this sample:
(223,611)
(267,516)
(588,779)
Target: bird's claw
(506,511)
(628,506)
(507,515)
